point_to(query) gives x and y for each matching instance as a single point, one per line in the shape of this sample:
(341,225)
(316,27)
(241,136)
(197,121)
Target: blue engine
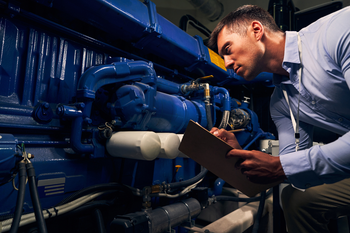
(79,80)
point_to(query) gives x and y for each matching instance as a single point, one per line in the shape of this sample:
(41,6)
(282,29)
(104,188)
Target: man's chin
(248,78)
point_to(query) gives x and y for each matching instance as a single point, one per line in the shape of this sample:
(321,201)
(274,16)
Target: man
(312,79)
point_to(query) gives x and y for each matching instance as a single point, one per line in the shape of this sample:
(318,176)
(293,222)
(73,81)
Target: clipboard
(210,152)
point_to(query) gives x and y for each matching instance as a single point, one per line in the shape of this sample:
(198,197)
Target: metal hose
(20,198)
(35,199)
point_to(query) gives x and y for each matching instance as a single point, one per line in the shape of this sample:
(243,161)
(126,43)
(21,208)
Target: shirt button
(313,102)
(307,185)
(340,119)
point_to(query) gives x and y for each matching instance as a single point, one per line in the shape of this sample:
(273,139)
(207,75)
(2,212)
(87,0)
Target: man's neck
(275,45)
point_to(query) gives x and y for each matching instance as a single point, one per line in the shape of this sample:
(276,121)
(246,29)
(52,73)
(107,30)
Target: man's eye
(227,51)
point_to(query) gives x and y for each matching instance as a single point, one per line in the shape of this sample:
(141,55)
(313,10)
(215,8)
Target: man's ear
(257,29)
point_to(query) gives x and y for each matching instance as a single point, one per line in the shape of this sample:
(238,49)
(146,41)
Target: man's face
(241,53)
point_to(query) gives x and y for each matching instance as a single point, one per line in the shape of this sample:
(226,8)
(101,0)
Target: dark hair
(239,20)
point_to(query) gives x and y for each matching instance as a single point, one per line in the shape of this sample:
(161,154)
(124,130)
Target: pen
(235,130)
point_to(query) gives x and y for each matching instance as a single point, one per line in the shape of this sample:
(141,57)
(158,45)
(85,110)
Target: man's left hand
(259,167)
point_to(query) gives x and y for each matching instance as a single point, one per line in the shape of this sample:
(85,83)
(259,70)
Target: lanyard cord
(296,122)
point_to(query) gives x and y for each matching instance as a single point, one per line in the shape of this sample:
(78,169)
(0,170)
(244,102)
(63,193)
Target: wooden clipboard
(210,152)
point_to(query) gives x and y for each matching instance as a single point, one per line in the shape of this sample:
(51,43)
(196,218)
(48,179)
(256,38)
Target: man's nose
(228,62)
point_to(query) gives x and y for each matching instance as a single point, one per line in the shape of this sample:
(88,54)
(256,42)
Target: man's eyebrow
(222,51)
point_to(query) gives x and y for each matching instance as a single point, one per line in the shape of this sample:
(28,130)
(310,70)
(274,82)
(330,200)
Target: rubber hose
(260,212)
(186,183)
(20,197)
(239,199)
(99,220)
(94,188)
(209,118)
(35,199)
(86,208)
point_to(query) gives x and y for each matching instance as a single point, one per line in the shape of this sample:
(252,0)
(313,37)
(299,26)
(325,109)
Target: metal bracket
(153,30)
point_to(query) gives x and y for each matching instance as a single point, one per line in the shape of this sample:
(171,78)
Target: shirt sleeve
(311,165)
(319,164)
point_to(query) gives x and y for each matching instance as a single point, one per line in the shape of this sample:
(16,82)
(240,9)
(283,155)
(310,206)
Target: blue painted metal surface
(138,22)
(60,88)
(7,157)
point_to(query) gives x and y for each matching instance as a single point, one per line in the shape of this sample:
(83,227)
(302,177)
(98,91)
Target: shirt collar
(291,52)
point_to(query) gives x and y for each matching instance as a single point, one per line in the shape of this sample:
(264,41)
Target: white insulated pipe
(182,155)
(144,145)
(170,143)
(141,145)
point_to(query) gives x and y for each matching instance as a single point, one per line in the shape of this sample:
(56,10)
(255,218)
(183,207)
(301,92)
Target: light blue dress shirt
(324,101)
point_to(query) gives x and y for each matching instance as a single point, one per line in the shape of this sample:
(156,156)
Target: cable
(183,192)
(99,220)
(186,183)
(35,199)
(20,197)
(209,118)
(55,211)
(259,213)
(239,199)
(86,208)
(186,19)
(94,188)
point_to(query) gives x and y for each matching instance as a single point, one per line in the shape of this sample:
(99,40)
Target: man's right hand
(226,136)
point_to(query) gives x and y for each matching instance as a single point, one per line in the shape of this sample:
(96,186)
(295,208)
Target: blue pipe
(98,76)
(254,139)
(75,139)
(168,87)
(91,81)
(218,185)
(226,100)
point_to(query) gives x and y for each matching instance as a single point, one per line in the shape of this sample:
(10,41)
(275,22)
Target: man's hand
(259,167)
(226,136)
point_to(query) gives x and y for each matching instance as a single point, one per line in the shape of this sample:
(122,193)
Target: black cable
(186,183)
(240,199)
(195,23)
(259,213)
(99,220)
(86,208)
(20,197)
(209,118)
(94,188)
(35,199)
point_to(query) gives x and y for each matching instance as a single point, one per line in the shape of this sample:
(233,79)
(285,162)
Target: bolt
(60,110)
(88,120)
(81,105)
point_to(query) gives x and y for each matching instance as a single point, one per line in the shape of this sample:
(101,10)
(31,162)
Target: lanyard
(296,122)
